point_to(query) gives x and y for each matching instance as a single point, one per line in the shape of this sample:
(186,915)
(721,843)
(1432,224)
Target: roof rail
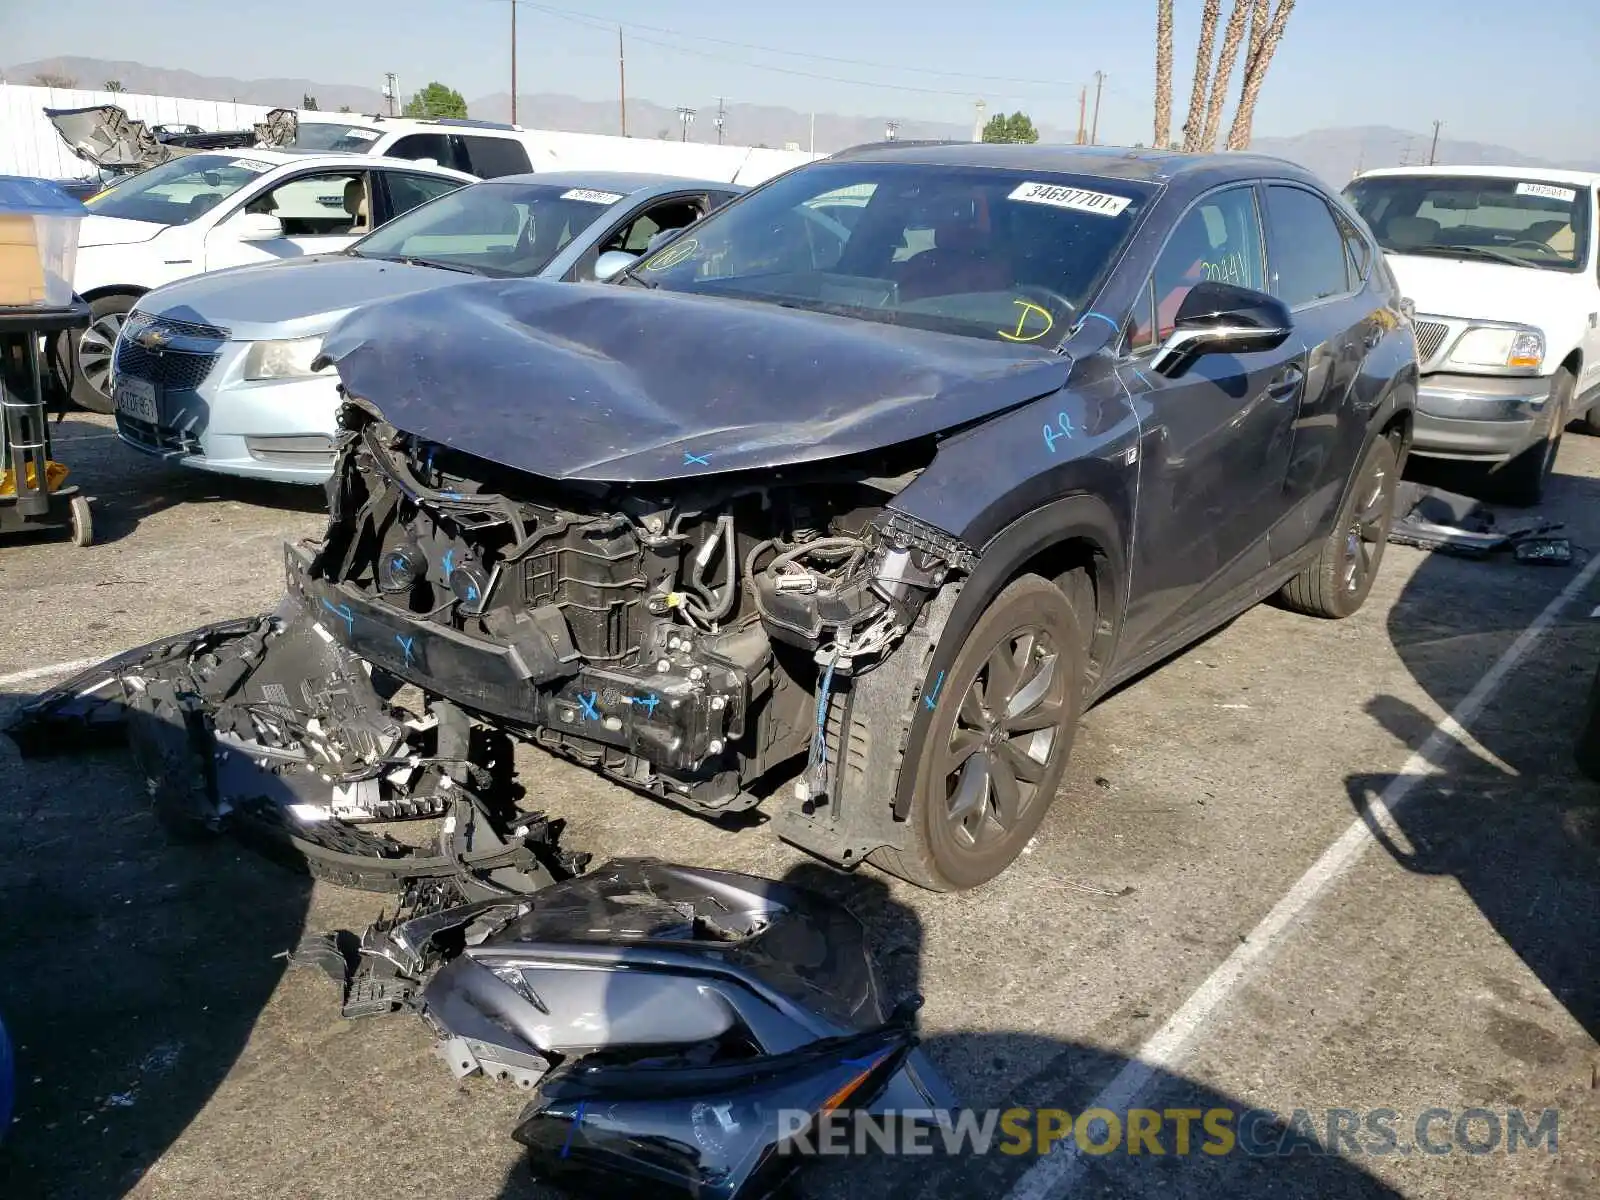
(902,142)
(469,123)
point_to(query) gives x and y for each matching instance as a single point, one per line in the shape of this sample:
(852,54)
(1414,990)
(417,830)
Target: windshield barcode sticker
(591,196)
(1548,190)
(362,135)
(1077,199)
(251,165)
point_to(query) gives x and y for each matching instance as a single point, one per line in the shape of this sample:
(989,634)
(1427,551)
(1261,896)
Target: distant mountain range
(1335,154)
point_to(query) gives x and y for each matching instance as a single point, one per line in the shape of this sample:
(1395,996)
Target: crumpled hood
(115,231)
(1488,291)
(298,297)
(618,384)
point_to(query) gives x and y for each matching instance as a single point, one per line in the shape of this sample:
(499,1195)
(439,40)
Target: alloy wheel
(1365,537)
(94,350)
(1001,742)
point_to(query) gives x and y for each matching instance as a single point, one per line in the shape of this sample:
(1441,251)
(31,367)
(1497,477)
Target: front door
(1215,440)
(321,212)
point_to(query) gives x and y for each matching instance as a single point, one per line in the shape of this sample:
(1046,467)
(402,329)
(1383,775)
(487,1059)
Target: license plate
(137,398)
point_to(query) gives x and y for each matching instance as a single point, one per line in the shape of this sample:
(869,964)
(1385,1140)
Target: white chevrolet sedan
(230,208)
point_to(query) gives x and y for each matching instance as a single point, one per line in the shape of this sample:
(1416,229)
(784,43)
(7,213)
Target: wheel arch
(114,289)
(1075,542)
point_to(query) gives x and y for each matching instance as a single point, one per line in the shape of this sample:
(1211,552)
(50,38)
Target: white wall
(29,144)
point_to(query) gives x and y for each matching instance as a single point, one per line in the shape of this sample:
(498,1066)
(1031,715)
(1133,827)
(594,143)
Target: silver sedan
(215,372)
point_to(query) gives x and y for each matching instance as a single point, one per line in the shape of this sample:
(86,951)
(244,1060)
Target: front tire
(1336,584)
(1521,482)
(999,734)
(88,355)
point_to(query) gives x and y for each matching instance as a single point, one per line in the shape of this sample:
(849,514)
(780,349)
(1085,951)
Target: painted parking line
(1054,1176)
(62,668)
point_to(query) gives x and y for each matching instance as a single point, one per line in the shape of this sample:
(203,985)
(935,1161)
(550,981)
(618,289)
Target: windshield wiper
(1476,251)
(412,260)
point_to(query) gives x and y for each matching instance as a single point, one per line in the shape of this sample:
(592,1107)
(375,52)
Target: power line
(596,23)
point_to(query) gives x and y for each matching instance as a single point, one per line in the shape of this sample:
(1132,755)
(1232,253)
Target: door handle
(1286,385)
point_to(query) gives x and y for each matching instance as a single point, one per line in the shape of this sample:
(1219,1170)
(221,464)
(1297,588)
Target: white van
(1503,265)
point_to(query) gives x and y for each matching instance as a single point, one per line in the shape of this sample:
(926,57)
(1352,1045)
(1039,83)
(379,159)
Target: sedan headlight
(1499,347)
(283,360)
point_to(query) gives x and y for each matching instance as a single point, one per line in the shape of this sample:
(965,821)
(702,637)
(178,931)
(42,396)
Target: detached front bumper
(1481,417)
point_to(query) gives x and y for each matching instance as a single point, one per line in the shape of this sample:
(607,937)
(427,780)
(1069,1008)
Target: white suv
(1501,263)
(482,148)
(227,208)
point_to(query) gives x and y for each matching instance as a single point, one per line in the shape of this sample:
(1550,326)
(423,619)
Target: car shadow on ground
(1001,1070)
(1507,812)
(132,971)
(126,487)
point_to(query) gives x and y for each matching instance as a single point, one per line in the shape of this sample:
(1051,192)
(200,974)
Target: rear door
(1315,255)
(401,191)
(1215,440)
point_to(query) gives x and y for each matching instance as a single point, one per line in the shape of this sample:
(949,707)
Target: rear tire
(1336,585)
(996,741)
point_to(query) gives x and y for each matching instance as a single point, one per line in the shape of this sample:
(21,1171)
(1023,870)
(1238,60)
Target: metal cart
(32,506)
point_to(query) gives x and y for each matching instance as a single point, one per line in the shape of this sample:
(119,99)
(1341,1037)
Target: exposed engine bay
(662,1019)
(683,638)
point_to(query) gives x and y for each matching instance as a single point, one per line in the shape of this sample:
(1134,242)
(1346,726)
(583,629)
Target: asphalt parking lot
(1217,912)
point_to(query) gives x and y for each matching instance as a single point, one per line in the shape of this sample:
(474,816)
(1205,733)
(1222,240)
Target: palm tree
(1163,136)
(1256,74)
(1231,38)
(113,85)
(1194,127)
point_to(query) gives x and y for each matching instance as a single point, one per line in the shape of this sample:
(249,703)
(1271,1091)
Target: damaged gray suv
(843,503)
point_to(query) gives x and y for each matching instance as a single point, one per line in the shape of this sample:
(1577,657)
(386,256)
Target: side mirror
(1220,318)
(256,227)
(612,262)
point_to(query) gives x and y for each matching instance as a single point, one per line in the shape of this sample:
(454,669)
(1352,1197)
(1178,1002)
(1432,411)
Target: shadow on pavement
(132,971)
(999,1070)
(1508,816)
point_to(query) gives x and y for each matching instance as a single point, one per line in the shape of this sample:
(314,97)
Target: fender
(1081,517)
(1399,397)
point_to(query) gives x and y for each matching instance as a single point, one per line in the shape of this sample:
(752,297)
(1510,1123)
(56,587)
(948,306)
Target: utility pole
(1433,150)
(891,131)
(722,116)
(389,90)
(1094,130)
(622,83)
(1083,112)
(813,149)
(513,62)
(686,116)
(977,121)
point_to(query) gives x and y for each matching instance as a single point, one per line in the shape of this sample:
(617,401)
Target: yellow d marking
(1028,307)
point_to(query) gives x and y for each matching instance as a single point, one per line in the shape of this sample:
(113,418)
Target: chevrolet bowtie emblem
(152,339)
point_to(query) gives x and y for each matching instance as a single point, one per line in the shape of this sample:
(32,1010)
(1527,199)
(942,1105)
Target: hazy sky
(1342,62)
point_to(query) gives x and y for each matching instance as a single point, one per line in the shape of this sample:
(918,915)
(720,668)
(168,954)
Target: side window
(1309,256)
(636,234)
(1218,240)
(416,146)
(407,191)
(325,204)
(1142,322)
(491,157)
(1357,251)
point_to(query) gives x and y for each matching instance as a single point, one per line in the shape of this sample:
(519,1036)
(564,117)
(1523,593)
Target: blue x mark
(703,460)
(587,702)
(342,611)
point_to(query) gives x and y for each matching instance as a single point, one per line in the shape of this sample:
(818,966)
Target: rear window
(491,157)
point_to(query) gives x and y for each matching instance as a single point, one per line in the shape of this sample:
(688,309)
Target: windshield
(179,190)
(1522,222)
(498,229)
(325,135)
(1001,254)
